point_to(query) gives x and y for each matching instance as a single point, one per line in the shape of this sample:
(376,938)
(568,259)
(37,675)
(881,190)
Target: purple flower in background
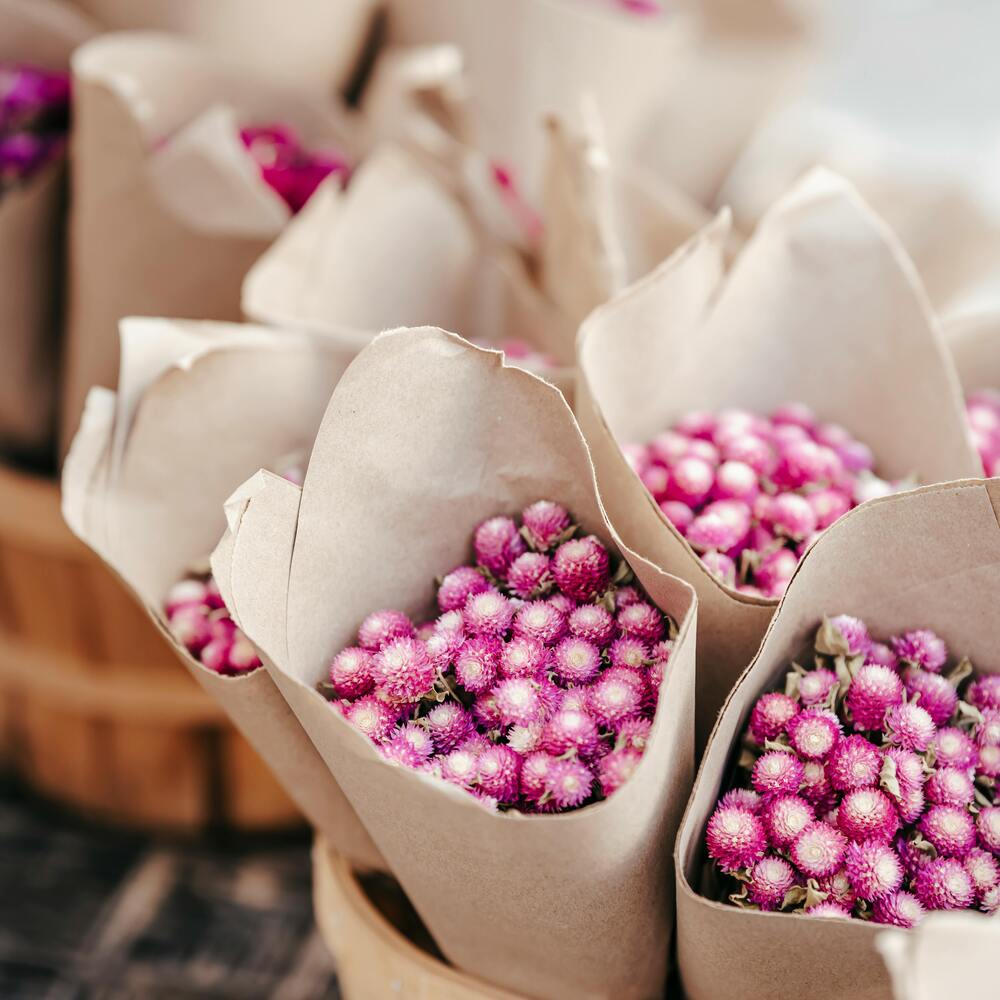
(34,117)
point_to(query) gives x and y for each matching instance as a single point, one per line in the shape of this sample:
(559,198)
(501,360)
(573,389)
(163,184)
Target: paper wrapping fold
(310,43)
(821,306)
(149,135)
(44,33)
(425,437)
(201,405)
(400,246)
(929,558)
(680,90)
(974,343)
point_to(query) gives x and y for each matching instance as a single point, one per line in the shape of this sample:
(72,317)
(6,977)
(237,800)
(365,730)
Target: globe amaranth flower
(988,731)
(576,661)
(983,869)
(735,838)
(988,829)
(873,690)
(592,623)
(984,692)
(498,773)
(460,767)
(899,909)
(954,748)
(819,850)
(814,733)
(854,763)
(351,672)
(529,576)
(828,910)
(770,715)
(784,816)
(770,879)
(383,626)
(867,814)
(815,686)
(522,657)
(616,768)
(922,648)
(628,651)
(581,568)
(488,613)
(477,664)
(909,726)
(568,730)
(613,697)
(535,773)
(372,717)
(458,586)
(873,869)
(642,621)
(541,620)
(544,523)
(838,888)
(948,786)
(570,783)
(854,632)
(777,772)
(943,884)
(518,702)
(635,733)
(933,693)
(497,543)
(746,798)
(449,726)
(402,670)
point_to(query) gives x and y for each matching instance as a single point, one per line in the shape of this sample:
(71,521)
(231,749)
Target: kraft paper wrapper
(948,954)
(821,306)
(146,479)
(398,246)
(974,343)
(680,91)
(425,437)
(166,228)
(952,235)
(307,43)
(43,33)
(929,558)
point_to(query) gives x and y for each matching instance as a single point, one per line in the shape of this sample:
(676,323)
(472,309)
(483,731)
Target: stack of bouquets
(865,753)
(139,489)
(820,307)
(463,713)
(36,39)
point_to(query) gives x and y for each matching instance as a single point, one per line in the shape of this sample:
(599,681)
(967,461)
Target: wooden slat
(253,797)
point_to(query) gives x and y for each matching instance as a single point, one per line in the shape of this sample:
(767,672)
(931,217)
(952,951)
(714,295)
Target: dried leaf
(792,684)
(888,780)
(777,745)
(961,670)
(830,640)
(795,897)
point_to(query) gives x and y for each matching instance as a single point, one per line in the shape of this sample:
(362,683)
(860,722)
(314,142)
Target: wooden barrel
(96,711)
(380,946)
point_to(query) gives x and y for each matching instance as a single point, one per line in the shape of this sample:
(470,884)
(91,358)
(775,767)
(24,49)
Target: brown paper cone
(930,559)
(823,307)
(397,247)
(425,437)
(308,43)
(200,407)
(44,33)
(974,343)
(134,249)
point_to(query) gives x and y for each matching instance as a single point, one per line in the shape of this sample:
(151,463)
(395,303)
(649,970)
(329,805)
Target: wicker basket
(378,942)
(95,710)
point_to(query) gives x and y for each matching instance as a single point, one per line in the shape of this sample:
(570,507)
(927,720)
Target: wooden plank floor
(92,914)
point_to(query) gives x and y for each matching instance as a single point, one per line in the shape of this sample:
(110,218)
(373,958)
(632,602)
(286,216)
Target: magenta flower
(879,652)
(691,480)
(838,886)
(617,767)
(544,524)
(458,586)
(921,648)
(855,633)
(460,767)
(381,627)
(933,693)
(745,798)
(628,652)
(570,783)
(770,715)
(873,691)
(814,687)
(873,870)
(900,909)
(854,763)
(635,733)
(541,620)
(522,657)
(988,731)
(576,661)
(612,697)
(828,909)
(814,733)
(784,816)
(449,726)
(770,879)
(909,726)
(735,838)
(499,773)
(948,786)
(953,748)
(792,516)
(497,543)
(535,774)
(943,884)
(984,692)
(191,628)
(570,730)
(372,717)
(402,670)
(641,621)
(988,829)
(593,623)
(351,672)
(488,614)
(517,701)
(581,568)
(867,814)
(819,850)
(777,773)
(477,664)
(528,576)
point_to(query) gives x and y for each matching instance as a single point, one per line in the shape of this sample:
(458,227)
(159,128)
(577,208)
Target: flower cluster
(287,165)
(199,621)
(982,410)
(868,785)
(534,688)
(750,493)
(34,118)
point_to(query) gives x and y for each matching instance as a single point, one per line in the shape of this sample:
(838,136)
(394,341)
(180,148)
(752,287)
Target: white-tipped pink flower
(988,829)
(922,648)
(488,613)
(819,850)
(570,783)
(873,870)
(854,763)
(642,621)
(814,687)
(188,593)
(529,576)
(449,726)
(372,717)
(498,773)
(517,701)
(541,620)
(568,730)
(954,748)
(770,879)
(814,733)
(777,772)
(593,623)
(576,661)
(873,691)
(190,626)
(691,480)
(899,909)
(381,627)
(948,786)
(909,726)
(544,523)
(458,586)
(867,814)
(735,838)
(351,672)
(785,817)
(943,884)
(615,769)
(934,693)
(522,657)
(581,568)
(792,516)
(772,712)
(402,670)
(612,698)
(497,543)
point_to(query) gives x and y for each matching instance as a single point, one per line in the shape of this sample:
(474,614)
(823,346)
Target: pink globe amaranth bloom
(372,717)
(635,733)
(909,767)
(575,699)
(785,817)
(987,733)
(678,513)
(570,783)
(983,869)
(750,449)
(612,697)
(497,543)
(829,505)
(791,516)
(829,910)
(185,594)
(745,798)
(839,887)
(624,596)
(616,768)
(581,568)
(989,762)
(443,645)
(721,566)
(775,569)
(242,654)
(525,739)
(576,661)
(655,478)
(770,879)
(854,763)
(771,714)
(544,522)
(451,622)
(933,693)
(691,480)
(529,576)
(990,903)
(867,814)
(714,531)
(458,586)
(909,726)
(191,628)
(948,786)
(943,884)
(950,829)
(460,767)
(570,730)
(477,664)
(222,626)
(819,850)
(499,773)
(628,652)
(854,632)
(899,909)
(873,870)
(911,804)
(522,657)
(550,695)
(381,627)
(988,829)
(815,686)
(488,613)
(697,424)
(984,692)
(735,838)
(642,621)
(486,711)
(873,690)
(411,746)
(813,733)
(805,463)
(735,480)
(592,623)
(541,620)
(922,648)
(704,450)
(816,788)
(855,456)
(399,751)
(402,670)
(777,772)
(517,701)
(796,414)
(351,672)
(953,748)
(879,652)
(449,726)
(668,447)
(535,772)
(215,655)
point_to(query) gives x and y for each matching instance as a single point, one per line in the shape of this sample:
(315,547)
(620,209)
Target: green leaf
(830,640)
